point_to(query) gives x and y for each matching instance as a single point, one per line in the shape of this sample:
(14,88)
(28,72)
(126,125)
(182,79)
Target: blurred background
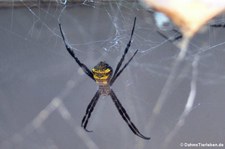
(44,94)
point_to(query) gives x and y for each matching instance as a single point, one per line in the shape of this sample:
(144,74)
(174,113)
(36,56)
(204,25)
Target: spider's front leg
(89,110)
(125,116)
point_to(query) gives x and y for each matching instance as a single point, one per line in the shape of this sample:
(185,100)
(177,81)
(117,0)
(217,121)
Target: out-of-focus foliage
(189,15)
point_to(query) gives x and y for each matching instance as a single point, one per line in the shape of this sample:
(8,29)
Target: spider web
(44,94)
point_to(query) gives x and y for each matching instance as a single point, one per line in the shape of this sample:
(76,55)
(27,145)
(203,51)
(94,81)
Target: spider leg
(71,52)
(125,51)
(89,109)
(118,74)
(125,116)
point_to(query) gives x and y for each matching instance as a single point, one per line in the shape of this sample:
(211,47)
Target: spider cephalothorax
(103,75)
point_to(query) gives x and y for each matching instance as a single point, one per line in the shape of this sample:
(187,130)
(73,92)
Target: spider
(103,75)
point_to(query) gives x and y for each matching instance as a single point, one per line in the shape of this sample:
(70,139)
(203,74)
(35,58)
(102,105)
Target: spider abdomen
(102,73)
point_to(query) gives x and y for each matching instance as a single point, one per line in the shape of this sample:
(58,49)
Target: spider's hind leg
(125,52)
(71,52)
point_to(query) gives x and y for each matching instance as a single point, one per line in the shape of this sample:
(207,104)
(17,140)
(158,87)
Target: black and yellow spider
(103,75)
